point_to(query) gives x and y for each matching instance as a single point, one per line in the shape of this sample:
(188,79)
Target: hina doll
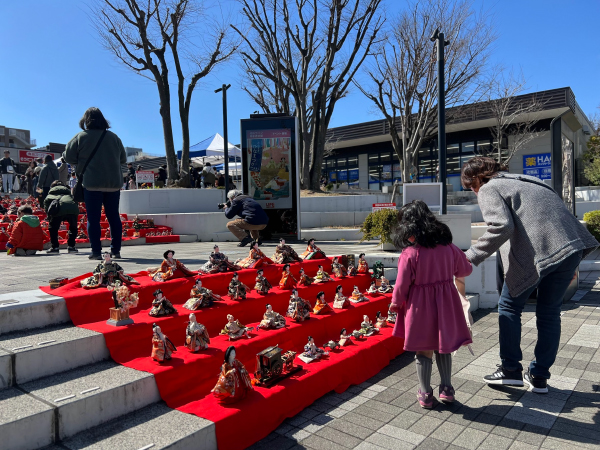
(255,259)
(305,280)
(366,327)
(287,281)
(123,300)
(321,306)
(322,276)
(162,347)
(385,287)
(391,318)
(234,329)
(298,308)
(237,289)
(218,262)
(200,297)
(196,335)
(271,319)
(284,253)
(81,233)
(311,351)
(234,381)
(344,338)
(373,288)
(169,268)
(363,267)
(107,273)
(262,285)
(351,270)
(312,251)
(338,269)
(357,296)
(340,301)
(160,305)
(107,234)
(380,321)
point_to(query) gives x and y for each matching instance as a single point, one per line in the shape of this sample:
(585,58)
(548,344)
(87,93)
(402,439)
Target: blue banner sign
(256,156)
(539,165)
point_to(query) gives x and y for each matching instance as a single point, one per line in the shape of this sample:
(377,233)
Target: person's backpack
(54,207)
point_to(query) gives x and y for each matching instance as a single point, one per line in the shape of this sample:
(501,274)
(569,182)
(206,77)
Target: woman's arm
(406,277)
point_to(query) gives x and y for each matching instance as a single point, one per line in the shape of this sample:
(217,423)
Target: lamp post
(225,138)
(441,43)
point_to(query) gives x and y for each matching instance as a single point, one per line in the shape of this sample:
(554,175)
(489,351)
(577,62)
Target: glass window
(452,149)
(341,163)
(484,147)
(385,158)
(353,179)
(374,177)
(373,159)
(452,164)
(352,161)
(468,148)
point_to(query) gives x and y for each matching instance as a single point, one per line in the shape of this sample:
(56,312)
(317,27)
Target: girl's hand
(394,308)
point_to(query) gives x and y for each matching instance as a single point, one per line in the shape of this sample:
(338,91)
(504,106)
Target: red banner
(26,156)
(379,206)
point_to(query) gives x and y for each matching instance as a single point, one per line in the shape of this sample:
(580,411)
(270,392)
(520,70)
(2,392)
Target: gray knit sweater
(530,225)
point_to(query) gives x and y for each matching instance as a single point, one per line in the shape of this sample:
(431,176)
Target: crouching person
(27,236)
(64,209)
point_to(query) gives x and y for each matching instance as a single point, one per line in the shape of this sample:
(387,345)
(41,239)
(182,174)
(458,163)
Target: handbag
(78,190)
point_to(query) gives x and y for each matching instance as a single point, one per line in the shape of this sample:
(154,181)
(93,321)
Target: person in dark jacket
(68,211)
(8,169)
(161,180)
(253,217)
(48,175)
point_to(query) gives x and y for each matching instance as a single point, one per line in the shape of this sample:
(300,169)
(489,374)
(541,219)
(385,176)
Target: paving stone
(486,422)
(403,435)
(364,421)
(495,442)
(508,428)
(532,434)
(448,431)
(375,414)
(426,425)
(518,445)
(470,438)
(432,444)
(351,428)
(406,419)
(318,442)
(387,442)
(338,437)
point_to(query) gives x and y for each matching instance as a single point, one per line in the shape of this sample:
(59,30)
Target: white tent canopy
(212,150)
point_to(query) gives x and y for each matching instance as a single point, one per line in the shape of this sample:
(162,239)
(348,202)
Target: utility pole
(441,43)
(225,138)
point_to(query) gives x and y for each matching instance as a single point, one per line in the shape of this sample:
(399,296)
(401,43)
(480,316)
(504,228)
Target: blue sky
(54,67)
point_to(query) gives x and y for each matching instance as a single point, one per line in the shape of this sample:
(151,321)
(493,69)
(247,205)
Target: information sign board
(144,176)
(538,165)
(380,206)
(26,156)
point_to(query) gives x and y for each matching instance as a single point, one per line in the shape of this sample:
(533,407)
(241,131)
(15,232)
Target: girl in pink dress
(430,313)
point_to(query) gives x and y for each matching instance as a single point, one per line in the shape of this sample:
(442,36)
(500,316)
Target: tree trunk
(165,113)
(184,173)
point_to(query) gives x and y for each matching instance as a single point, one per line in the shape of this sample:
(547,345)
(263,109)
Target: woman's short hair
(416,220)
(25,209)
(93,119)
(479,170)
(233,193)
(57,183)
(48,158)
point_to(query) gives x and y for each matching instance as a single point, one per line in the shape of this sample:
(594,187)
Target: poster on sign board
(380,206)
(539,165)
(144,176)
(26,156)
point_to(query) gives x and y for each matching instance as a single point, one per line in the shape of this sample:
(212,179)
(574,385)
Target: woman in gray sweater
(541,245)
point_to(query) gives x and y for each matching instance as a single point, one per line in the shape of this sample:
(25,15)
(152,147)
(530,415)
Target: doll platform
(185,381)
(119,318)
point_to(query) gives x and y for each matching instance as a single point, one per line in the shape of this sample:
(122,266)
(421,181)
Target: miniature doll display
(81,234)
(367,328)
(298,308)
(271,319)
(312,251)
(272,366)
(322,276)
(160,305)
(262,285)
(234,381)
(169,268)
(124,301)
(321,306)
(107,273)
(237,289)
(344,338)
(385,288)
(357,296)
(311,351)
(380,321)
(284,253)
(255,259)
(218,262)
(391,318)
(338,268)
(287,281)
(200,297)
(340,301)
(305,280)
(363,267)
(373,288)
(377,270)
(331,345)
(196,335)
(235,330)
(162,347)
(351,270)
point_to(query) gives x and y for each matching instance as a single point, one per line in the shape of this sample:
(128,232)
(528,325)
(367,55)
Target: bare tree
(515,117)
(403,78)
(150,35)
(301,56)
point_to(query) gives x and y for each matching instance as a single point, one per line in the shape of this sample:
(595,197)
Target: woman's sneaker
(425,399)
(536,384)
(505,377)
(446,394)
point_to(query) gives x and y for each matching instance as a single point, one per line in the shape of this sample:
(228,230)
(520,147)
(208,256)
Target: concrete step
(140,241)
(38,353)
(156,425)
(25,422)
(331,234)
(91,395)
(31,309)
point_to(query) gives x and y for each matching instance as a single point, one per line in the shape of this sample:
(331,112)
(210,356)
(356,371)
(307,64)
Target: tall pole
(441,43)
(225,137)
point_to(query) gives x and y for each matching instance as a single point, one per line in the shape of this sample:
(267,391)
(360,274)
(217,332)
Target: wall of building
(540,144)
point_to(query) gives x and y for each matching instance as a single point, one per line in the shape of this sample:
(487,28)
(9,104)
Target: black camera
(223,205)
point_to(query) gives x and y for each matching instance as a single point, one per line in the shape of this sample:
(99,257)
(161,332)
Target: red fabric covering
(162,239)
(185,381)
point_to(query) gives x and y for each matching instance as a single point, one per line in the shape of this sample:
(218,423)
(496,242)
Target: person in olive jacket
(48,175)
(68,211)
(102,180)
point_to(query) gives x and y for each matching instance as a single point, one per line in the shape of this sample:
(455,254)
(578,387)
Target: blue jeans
(552,285)
(93,204)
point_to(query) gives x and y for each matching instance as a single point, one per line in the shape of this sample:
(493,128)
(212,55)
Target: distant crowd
(200,177)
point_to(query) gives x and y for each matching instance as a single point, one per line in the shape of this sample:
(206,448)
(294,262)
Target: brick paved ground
(382,413)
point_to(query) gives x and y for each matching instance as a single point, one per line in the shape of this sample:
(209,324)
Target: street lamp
(441,43)
(226,144)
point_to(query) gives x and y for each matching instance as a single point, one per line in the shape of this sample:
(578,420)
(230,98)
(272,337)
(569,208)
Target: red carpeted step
(162,239)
